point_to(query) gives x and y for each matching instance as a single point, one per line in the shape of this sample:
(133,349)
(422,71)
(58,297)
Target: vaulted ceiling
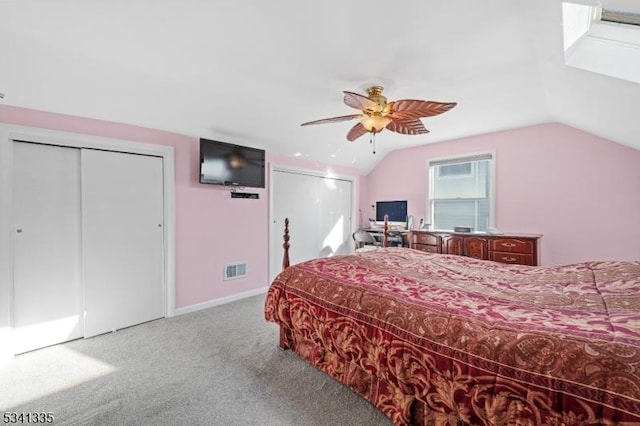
(249,71)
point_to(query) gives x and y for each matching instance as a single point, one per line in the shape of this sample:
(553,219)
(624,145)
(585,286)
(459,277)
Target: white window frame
(463,157)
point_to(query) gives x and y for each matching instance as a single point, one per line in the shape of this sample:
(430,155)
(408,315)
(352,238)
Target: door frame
(9,133)
(274,231)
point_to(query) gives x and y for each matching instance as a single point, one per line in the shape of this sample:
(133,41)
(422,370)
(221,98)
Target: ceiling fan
(402,116)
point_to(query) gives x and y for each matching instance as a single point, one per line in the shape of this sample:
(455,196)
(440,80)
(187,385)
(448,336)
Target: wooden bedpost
(285,257)
(385,232)
(285,334)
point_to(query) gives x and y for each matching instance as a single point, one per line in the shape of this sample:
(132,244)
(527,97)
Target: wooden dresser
(507,248)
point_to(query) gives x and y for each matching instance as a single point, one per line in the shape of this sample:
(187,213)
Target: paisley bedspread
(441,339)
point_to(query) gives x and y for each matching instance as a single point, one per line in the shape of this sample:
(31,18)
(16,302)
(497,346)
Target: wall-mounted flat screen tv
(223,163)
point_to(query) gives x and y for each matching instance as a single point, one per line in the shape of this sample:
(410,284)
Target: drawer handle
(508,259)
(508,244)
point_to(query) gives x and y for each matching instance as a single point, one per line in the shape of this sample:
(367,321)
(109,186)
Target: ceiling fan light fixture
(376,114)
(374,122)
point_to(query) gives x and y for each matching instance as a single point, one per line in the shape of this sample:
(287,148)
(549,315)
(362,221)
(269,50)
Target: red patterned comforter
(437,339)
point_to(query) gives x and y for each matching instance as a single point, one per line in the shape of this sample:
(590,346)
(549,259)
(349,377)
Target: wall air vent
(235,270)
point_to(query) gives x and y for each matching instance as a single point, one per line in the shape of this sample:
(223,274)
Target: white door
(319,210)
(47,291)
(123,256)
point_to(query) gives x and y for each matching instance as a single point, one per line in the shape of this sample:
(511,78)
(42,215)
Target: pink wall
(580,191)
(211,228)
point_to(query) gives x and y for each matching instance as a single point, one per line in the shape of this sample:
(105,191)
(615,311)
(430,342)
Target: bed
(435,339)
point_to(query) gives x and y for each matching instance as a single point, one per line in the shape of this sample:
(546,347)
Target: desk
(398,238)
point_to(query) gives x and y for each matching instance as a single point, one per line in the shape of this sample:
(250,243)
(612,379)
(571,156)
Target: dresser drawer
(424,238)
(427,248)
(504,257)
(511,245)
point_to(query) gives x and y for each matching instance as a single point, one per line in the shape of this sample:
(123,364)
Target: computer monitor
(396,212)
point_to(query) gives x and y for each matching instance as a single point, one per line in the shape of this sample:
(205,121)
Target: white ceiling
(250,71)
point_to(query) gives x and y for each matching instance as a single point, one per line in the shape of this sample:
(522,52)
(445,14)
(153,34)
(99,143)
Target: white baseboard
(220,301)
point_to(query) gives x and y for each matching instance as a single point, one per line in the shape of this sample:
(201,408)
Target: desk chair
(363,238)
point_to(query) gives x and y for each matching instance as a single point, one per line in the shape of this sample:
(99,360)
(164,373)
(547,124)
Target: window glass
(460,192)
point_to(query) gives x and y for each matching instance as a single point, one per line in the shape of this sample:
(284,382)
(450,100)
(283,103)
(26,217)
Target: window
(455,170)
(620,17)
(603,41)
(461,192)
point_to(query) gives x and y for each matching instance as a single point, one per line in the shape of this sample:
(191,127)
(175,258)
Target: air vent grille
(235,270)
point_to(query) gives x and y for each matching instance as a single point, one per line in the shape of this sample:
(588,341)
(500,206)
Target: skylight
(620,17)
(602,41)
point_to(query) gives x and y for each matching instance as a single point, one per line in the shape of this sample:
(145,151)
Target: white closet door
(319,210)
(123,259)
(47,290)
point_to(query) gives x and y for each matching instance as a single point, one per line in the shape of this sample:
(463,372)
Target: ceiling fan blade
(333,119)
(407,127)
(360,102)
(355,132)
(408,109)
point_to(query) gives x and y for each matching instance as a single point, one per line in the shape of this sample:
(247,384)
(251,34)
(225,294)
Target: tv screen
(396,210)
(227,164)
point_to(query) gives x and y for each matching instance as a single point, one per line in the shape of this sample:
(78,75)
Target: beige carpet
(219,366)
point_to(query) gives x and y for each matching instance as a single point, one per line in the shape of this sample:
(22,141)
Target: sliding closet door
(123,259)
(319,209)
(47,289)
